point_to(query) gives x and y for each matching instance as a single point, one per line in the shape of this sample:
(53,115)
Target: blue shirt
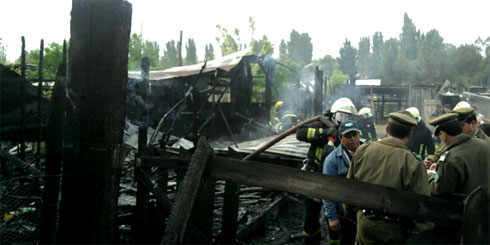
(337,163)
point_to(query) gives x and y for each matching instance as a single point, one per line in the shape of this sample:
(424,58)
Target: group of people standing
(406,159)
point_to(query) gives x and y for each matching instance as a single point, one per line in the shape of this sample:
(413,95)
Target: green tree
(408,38)
(337,78)
(402,70)
(283,51)
(152,51)
(170,56)
(376,61)
(300,48)
(389,57)
(262,47)
(135,52)
(364,58)
(191,55)
(52,58)
(431,59)
(227,43)
(347,61)
(466,64)
(209,52)
(3,53)
(327,64)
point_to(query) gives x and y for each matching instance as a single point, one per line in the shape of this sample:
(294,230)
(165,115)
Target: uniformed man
(465,163)
(467,119)
(322,138)
(463,166)
(400,170)
(421,142)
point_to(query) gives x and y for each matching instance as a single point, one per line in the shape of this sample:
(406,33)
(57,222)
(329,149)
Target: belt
(377,215)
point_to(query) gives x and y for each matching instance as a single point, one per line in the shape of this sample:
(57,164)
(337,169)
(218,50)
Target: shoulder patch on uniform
(444,156)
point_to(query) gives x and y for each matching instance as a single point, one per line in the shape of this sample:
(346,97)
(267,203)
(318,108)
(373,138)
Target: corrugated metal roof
(224,63)
(289,146)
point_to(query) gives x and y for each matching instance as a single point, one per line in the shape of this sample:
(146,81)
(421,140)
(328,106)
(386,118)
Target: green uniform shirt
(462,167)
(390,163)
(441,148)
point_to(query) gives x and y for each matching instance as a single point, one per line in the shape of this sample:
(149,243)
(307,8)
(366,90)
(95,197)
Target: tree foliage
(209,52)
(347,61)
(135,52)
(52,58)
(3,53)
(170,56)
(364,58)
(408,38)
(300,48)
(191,54)
(152,51)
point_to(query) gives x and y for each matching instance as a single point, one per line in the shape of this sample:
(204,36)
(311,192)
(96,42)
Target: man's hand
(334,225)
(428,161)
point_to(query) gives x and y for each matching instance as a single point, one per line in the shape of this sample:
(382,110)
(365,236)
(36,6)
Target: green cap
(464,113)
(444,119)
(402,118)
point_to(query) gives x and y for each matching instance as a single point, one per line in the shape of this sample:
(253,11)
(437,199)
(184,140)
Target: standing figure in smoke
(322,135)
(421,142)
(366,125)
(283,117)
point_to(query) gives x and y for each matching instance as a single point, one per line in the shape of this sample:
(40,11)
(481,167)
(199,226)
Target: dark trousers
(346,235)
(311,224)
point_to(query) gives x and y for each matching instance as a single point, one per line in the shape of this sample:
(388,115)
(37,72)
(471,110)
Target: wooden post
(476,218)
(22,99)
(40,96)
(98,68)
(318,93)
(140,225)
(49,207)
(179,220)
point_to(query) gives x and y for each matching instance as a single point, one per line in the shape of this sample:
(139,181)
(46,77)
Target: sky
(328,23)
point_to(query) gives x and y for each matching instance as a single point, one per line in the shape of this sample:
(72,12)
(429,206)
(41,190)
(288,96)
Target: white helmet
(415,113)
(462,104)
(343,105)
(365,112)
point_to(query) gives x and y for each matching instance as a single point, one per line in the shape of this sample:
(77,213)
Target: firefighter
(322,138)
(283,117)
(366,125)
(421,141)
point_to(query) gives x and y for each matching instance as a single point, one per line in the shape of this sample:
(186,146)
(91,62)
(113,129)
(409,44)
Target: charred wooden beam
(385,199)
(476,218)
(318,92)
(140,225)
(159,194)
(178,222)
(54,141)
(247,231)
(98,71)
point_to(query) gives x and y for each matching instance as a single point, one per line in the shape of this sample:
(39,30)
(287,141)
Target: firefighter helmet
(462,104)
(365,112)
(278,105)
(415,113)
(344,105)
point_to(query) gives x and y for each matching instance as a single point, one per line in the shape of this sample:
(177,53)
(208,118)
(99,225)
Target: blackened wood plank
(385,199)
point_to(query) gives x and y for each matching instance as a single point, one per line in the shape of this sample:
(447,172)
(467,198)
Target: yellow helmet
(278,105)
